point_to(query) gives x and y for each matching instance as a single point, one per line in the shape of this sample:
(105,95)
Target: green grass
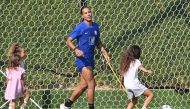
(109,99)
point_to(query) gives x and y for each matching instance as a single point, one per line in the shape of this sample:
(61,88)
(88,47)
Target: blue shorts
(84,62)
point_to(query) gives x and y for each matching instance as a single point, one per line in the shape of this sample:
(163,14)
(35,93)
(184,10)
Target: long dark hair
(129,56)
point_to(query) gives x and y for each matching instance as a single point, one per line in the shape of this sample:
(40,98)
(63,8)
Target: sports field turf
(109,99)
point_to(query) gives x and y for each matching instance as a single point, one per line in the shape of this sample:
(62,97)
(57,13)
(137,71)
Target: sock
(91,106)
(25,101)
(143,107)
(24,104)
(10,104)
(68,103)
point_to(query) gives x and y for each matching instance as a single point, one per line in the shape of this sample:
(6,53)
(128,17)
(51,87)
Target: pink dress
(14,87)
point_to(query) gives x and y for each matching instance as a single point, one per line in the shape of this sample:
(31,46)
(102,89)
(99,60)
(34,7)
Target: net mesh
(160,27)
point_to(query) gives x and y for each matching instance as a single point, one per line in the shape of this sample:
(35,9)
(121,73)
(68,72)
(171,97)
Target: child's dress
(131,81)
(14,87)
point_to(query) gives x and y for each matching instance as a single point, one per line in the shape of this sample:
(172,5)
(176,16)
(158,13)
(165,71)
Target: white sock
(25,101)
(10,106)
(143,107)
(24,104)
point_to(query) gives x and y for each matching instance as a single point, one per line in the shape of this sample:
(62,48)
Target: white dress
(131,81)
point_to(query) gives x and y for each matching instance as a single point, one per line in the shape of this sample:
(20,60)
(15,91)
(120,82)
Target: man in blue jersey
(87,34)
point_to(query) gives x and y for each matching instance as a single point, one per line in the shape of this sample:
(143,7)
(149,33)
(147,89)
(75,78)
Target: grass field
(109,99)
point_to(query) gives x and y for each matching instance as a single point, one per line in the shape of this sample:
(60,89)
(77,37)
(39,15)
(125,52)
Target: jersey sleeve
(22,70)
(76,32)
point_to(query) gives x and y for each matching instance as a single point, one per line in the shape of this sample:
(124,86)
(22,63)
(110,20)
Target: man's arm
(104,52)
(74,48)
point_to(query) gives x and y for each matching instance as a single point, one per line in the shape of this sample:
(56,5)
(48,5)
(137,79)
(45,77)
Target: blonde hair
(14,61)
(14,49)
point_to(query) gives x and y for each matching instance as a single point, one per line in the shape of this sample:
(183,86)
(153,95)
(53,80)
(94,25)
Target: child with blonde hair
(17,49)
(15,83)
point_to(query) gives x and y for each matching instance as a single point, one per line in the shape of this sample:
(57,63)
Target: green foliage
(161,29)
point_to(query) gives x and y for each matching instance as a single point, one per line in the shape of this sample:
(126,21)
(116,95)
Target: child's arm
(122,80)
(142,68)
(7,76)
(22,82)
(7,80)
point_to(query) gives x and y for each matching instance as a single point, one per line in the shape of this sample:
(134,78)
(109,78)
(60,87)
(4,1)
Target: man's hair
(83,8)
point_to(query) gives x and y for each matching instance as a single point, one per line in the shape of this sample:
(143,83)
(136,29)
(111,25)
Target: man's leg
(79,90)
(87,74)
(76,93)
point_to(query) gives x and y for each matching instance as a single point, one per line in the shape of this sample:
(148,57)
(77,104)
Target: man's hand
(107,58)
(104,52)
(79,53)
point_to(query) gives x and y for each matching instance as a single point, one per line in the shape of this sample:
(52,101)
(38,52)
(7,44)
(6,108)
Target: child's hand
(23,90)
(8,79)
(149,71)
(122,83)
(121,86)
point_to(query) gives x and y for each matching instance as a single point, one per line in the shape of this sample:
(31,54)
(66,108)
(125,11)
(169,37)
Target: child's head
(22,52)
(15,48)
(134,52)
(14,61)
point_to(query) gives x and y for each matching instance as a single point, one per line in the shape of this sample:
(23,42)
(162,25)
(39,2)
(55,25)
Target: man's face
(86,14)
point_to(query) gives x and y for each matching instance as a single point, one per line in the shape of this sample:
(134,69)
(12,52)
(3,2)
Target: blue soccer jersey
(87,38)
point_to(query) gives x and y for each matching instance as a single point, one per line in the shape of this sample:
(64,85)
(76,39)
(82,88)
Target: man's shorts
(84,62)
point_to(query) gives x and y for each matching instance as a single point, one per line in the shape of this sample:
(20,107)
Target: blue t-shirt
(87,37)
